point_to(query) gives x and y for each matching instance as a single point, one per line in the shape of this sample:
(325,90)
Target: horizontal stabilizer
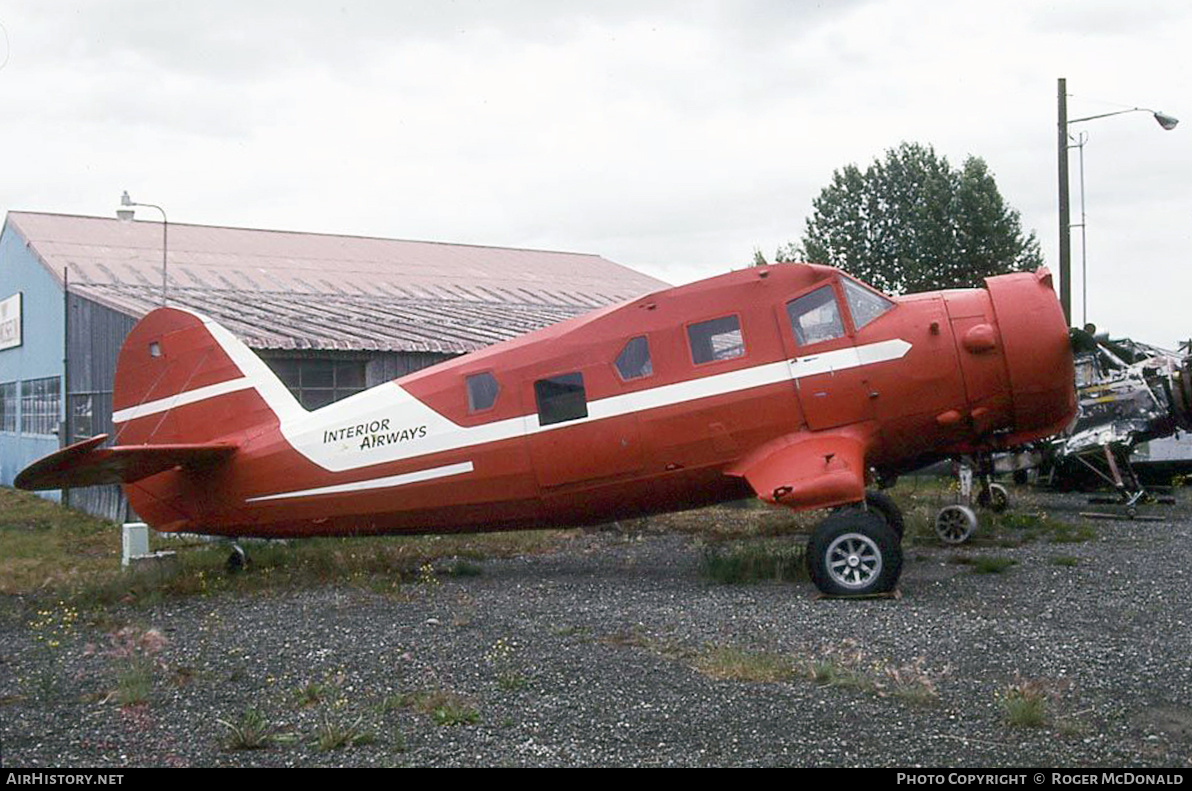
(87,464)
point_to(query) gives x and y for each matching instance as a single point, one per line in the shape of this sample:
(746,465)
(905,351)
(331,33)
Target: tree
(912,223)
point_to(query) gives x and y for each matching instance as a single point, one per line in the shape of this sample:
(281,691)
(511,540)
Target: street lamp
(127,214)
(1167,122)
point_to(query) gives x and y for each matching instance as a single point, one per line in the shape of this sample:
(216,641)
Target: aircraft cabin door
(567,447)
(825,366)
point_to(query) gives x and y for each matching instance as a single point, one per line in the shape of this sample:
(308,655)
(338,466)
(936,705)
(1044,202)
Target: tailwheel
(955,523)
(854,553)
(238,560)
(994,497)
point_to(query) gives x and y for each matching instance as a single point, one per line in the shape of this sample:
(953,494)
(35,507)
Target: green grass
(637,637)
(48,549)
(1027,521)
(849,666)
(984,564)
(134,681)
(1024,704)
(461,568)
(1018,528)
(312,694)
(992,564)
(45,546)
(832,671)
(738,521)
(755,561)
(729,663)
(337,734)
(252,731)
(443,707)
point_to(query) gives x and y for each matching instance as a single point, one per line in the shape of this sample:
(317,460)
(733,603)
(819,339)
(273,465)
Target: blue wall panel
(39,355)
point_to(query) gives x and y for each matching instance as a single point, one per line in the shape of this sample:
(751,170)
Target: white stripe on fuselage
(388,482)
(387,424)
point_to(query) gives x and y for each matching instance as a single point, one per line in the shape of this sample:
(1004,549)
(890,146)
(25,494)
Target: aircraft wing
(86,464)
(808,469)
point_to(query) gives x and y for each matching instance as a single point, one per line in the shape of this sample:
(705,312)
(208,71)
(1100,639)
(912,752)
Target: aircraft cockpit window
(482,392)
(561,398)
(634,360)
(863,303)
(718,339)
(815,317)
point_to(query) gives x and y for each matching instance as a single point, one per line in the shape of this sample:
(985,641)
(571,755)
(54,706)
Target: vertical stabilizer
(182,378)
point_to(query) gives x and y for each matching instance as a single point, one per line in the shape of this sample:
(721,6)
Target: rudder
(182,378)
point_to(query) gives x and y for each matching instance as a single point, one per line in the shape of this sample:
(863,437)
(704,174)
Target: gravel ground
(591,655)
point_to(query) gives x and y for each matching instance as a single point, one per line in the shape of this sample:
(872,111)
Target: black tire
(237,561)
(883,505)
(995,498)
(854,553)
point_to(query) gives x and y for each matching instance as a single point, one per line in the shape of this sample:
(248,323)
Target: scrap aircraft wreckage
(1129,393)
(793,382)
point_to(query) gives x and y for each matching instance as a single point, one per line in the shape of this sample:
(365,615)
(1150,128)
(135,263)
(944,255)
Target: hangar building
(331,315)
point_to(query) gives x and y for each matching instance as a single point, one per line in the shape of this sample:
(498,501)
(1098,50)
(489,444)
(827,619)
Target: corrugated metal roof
(288,290)
(362,322)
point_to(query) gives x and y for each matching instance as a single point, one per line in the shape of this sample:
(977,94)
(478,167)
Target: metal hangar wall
(331,315)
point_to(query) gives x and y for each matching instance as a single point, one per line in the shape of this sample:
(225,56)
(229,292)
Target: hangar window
(561,398)
(482,392)
(81,409)
(319,382)
(634,360)
(864,304)
(41,405)
(8,406)
(718,339)
(815,317)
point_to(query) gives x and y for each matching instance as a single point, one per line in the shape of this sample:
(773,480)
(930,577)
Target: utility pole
(1065,214)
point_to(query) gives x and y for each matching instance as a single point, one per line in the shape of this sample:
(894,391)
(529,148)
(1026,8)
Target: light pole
(1166,121)
(127,214)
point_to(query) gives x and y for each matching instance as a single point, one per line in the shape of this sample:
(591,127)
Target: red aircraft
(794,382)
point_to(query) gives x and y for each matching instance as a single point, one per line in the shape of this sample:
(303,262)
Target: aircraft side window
(863,303)
(815,317)
(561,398)
(717,339)
(482,392)
(634,360)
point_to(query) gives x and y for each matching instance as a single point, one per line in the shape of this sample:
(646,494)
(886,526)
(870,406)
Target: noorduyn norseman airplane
(793,382)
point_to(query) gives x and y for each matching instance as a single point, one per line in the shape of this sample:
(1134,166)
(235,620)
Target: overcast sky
(670,137)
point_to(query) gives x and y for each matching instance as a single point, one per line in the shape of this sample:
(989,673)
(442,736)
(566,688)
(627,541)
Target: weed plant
(252,731)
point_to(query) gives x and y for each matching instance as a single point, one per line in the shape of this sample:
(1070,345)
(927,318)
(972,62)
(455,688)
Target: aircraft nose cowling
(1037,352)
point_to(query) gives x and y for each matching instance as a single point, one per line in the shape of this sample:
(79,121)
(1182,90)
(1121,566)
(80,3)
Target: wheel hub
(854,560)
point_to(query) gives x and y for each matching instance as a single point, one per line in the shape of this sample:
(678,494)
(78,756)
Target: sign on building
(10,321)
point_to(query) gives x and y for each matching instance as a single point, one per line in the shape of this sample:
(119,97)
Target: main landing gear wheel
(955,523)
(854,553)
(884,506)
(995,498)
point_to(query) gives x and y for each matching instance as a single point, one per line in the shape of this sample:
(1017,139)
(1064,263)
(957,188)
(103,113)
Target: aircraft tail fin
(183,379)
(187,394)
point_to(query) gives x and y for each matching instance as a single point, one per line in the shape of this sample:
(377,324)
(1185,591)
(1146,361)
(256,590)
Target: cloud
(674,136)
